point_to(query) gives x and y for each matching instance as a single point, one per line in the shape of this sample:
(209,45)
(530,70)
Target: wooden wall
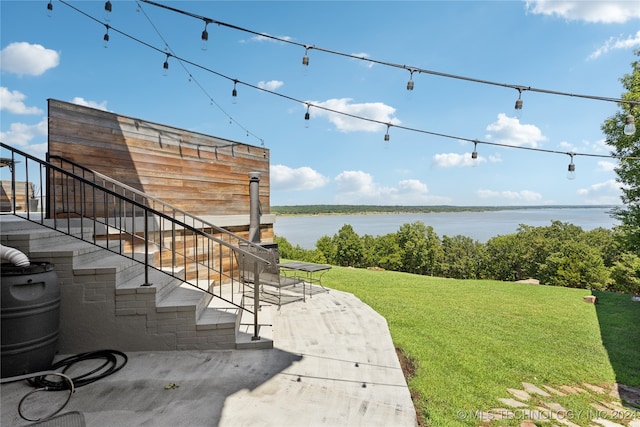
(201,174)
(24,194)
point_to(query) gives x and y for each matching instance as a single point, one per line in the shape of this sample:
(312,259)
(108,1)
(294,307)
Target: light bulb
(205,40)
(49,9)
(165,67)
(571,171)
(306,118)
(234,93)
(106,40)
(107,11)
(630,125)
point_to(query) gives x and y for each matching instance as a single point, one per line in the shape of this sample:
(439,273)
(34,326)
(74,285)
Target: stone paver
(513,403)
(553,390)
(535,406)
(530,388)
(519,394)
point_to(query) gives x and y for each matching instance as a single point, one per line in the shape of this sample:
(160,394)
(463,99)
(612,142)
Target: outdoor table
(311,273)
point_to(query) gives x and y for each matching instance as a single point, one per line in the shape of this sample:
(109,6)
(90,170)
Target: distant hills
(385,209)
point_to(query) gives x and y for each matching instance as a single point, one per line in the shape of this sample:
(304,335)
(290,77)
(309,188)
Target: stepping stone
(594,388)
(602,409)
(572,390)
(503,413)
(606,423)
(634,423)
(520,394)
(513,403)
(554,391)
(535,390)
(555,407)
(534,415)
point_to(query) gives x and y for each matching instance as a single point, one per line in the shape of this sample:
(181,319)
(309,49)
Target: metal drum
(30,318)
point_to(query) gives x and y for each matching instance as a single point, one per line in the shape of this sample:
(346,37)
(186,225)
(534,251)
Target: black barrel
(30,318)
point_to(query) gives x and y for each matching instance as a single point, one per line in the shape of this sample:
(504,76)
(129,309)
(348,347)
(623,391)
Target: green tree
(461,257)
(326,247)
(420,248)
(625,274)
(383,252)
(628,170)
(575,265)
(503,259)
(348,246)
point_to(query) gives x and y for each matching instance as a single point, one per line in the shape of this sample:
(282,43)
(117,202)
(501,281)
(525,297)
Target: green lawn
(471,340)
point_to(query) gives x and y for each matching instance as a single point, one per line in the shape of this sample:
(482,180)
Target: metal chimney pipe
(254,207)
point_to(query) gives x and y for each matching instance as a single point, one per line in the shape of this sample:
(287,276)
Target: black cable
(114,360)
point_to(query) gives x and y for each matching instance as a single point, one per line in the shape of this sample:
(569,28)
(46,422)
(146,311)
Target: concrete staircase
(105,302)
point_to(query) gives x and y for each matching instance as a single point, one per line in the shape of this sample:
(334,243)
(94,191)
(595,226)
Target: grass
(471,340)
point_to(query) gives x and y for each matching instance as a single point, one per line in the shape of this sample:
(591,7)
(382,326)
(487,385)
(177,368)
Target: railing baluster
(124,201)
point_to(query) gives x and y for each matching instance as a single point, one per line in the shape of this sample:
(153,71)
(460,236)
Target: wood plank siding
(200,174)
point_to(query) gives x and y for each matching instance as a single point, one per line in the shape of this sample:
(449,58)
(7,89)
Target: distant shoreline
(394,210)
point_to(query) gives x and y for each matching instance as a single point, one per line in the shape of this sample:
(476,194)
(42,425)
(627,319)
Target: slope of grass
(471,340)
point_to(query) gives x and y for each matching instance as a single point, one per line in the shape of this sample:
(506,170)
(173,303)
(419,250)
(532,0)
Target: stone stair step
(185,297)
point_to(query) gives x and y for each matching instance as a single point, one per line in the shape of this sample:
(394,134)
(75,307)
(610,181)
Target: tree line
(560,254)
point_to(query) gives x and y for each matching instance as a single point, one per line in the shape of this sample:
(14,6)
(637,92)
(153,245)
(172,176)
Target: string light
(518,105)
(410,82)
(107,10)
(181,60)
(474,155)
(307,116)
(49,9)
(234,92)
(305,62)
(571,170)
(106,36)
(630,125)
(205,36)
(305,58)
(165,66)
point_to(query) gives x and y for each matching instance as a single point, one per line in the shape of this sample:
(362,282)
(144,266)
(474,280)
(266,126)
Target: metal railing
(97,209)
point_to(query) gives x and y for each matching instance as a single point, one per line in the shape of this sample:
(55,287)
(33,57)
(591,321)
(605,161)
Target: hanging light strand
(411,69)
(182,64)
(321,107)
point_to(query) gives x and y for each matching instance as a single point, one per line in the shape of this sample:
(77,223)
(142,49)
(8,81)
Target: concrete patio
(333,364)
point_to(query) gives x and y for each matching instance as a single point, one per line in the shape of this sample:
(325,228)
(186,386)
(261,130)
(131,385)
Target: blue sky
(577,47)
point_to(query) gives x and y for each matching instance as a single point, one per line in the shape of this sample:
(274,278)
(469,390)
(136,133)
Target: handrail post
(256,299)
(146,247)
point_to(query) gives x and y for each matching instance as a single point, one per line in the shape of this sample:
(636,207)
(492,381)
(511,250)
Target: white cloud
(609,11)
(284,178)
(602,193)
(606,166)
(11,101)
(568,146)
(367,64)
(508,130)
(358,187)
(31,59)
(512,196)
(92,104)
(450,160)
(630,42)
(270,85)
(265,37)
(371,110)
(21,134)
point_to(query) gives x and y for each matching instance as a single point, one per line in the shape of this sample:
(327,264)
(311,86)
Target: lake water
(306,230)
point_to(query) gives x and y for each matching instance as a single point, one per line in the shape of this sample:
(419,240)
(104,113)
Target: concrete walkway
(333,364)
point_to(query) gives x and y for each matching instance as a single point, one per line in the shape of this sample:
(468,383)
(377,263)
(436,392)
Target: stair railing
(96,209)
